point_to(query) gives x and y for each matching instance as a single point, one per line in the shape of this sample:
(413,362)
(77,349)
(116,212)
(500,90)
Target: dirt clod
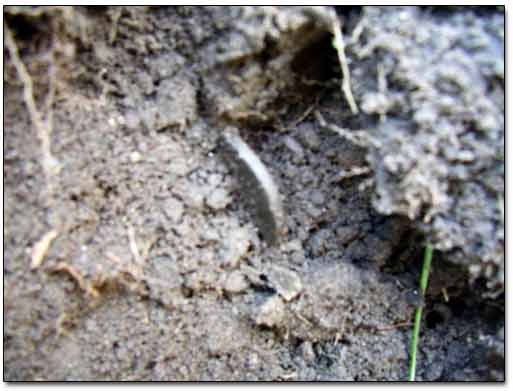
(286,282)
(271,312)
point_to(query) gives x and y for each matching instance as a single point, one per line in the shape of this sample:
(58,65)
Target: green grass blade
(428,255)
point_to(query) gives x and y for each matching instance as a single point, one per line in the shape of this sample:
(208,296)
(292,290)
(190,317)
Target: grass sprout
(428,255)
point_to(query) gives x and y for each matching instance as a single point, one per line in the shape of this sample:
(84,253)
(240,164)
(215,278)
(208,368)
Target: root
(355,171)
(78,278)
(114,16)
(357,137)
(382,88)
(133,245)
(338,42)
(42,124)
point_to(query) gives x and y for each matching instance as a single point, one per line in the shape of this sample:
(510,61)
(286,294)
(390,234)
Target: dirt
(158,270)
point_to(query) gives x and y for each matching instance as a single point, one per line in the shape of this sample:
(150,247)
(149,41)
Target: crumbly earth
(158,271)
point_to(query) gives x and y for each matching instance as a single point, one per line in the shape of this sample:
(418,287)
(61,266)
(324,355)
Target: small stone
(218,199)
(179,166)
(426,115)
(194,197)
(313,211)
(434,371)
(224,335)
(317,197)
(292,246)
(145,82)
(286,282)
(215,179)
(320,242)
(237,245)
(132,120)
(309,136)
(295,148)
(135,157)
(173,208)
(200,280)
(307,351)
(346,234)
(375,103)
(487,123)
(236,282)
(253,360)
(271,312)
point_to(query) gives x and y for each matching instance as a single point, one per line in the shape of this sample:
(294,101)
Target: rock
(175,104)
(201,279)
(271,313)
(135,157)
(292,246)
(224,334)
(309,136)
(286,282)
(173,208)
(295,148)
(320,241)
(375,103)
(317,197)
(236,246)
(347,234)
(194,197)
(236,282)
(307,351)
(218,199)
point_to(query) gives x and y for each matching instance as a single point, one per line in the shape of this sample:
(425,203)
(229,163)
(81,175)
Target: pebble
(173,208)
(309,136)
(434,371)
(294,245)
(236,282)
(194,197)
(271,312)
(135,157)
(295,148)
(320,241)
(375,103)
(237,245)
(317,197)
(286,282)
(218,199)
(307,352)
(346,234)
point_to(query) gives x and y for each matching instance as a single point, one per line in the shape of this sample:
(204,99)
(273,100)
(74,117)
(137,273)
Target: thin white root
(78,278)
(357,137)
(50,97)
(382,88)
(355,171)
(358,30)
(43,126)
(133,245)
(114,16)
(338,42)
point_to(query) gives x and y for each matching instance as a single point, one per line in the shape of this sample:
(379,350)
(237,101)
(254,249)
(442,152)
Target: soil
(132,252)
